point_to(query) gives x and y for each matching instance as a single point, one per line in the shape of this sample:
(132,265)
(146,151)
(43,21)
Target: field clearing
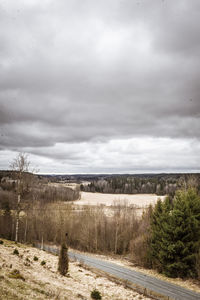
(70,185)
(137,200)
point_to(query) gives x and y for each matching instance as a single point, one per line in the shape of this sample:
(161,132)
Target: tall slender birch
(20,166)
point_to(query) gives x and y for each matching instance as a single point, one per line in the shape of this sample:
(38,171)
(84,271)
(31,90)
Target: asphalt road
(146,282)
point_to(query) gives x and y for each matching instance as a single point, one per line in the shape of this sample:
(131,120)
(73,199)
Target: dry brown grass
(44,282)
(138,200)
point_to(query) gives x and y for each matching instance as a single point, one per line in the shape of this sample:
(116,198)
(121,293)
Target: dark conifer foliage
(176,235)
(63,262)
(157,233)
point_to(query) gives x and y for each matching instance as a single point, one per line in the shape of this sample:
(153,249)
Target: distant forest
(36,188)
(160,184)
(165,238)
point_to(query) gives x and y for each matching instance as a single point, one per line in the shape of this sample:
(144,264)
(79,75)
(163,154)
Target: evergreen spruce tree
(159,233)
(63,262)
(185,235)
(176,235)
(156,235)
(165,233)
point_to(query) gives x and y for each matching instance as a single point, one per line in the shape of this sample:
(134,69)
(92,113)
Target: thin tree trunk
(116,237)
(42,244)
(96,237)
(17,218)
(25,232)
(13,229)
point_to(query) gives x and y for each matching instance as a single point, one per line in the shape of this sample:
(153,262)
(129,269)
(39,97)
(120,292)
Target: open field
(135,200)
(138,200)
(70,185)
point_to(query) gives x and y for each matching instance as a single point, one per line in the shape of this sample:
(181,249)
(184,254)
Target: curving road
(147,284)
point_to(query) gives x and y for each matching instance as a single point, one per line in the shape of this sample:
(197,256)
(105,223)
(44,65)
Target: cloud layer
(101,86)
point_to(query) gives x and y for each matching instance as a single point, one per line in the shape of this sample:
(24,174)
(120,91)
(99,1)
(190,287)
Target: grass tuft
(43,262)
(95,294)
(15,274)
(15,252)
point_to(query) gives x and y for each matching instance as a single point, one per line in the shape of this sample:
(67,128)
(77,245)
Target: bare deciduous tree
(21,167)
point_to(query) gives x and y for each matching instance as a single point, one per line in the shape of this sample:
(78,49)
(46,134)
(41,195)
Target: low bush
(15,252)
(43,262)
(95,294)
(35,258)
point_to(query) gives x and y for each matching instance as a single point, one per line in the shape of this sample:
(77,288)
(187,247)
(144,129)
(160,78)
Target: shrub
(1,242)
(63,260)
(43,262)
(139,250)
(140,244)
(35,258)
(95,294)
(16,252)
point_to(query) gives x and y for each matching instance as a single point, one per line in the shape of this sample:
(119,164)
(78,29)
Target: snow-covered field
(138,200)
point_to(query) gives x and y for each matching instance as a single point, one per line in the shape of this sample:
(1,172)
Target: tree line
(22,189)
(160,184)
(166,238)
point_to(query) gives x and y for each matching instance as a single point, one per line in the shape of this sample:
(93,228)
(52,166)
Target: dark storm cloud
(88,71)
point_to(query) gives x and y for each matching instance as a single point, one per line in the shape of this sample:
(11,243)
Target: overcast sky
(106,86)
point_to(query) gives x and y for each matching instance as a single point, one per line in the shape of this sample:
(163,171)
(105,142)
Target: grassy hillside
(22,276)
